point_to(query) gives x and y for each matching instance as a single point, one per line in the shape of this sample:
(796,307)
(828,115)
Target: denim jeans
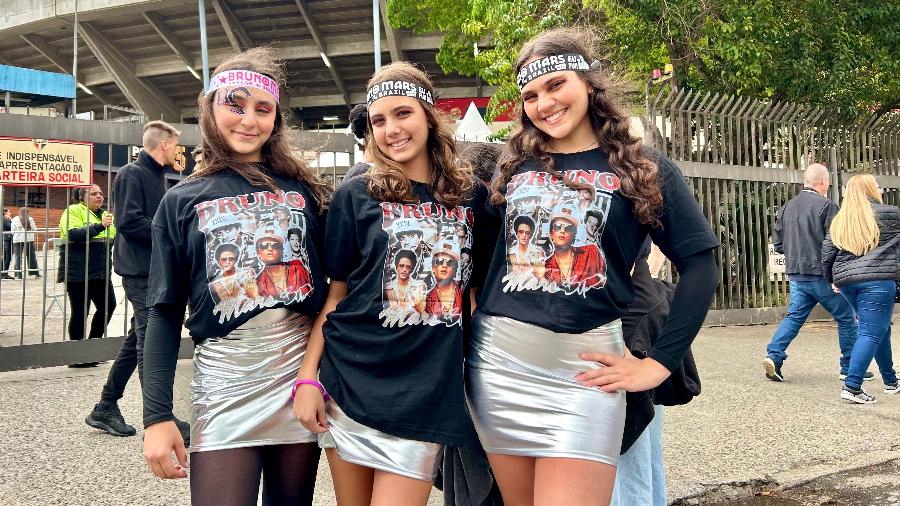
(804,296)
(873,302)
(640,476)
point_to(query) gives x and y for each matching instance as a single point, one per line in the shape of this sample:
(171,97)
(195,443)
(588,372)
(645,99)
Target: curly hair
(359,123)
(407,254)
(526,220)
(276,151)
(638,174)
(451,178)
(483,156)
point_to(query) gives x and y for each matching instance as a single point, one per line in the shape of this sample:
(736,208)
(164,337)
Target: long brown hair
(277,151)
(637,173)
(451,178)
(23,218)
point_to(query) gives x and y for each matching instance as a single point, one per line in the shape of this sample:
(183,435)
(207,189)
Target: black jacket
(7,226)
(83,256)
(137,191)
(843,268)
(800,229)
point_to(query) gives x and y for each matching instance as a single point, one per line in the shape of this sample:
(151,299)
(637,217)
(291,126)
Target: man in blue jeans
(798,234)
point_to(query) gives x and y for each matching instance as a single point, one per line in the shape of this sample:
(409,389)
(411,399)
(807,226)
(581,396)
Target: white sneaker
(858,396)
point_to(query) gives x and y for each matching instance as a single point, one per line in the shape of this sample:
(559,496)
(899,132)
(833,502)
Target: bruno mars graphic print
(255,251)
(553,231)
(427,264)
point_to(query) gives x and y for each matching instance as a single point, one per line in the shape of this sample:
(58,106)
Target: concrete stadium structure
(146,54)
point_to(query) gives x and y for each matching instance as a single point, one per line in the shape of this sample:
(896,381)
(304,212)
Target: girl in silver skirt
(390,333)
(253,287)
(576,196)
(256,365)
(520,376)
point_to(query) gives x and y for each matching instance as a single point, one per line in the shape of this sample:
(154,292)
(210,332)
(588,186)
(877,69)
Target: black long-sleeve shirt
(160,358)
(137,191)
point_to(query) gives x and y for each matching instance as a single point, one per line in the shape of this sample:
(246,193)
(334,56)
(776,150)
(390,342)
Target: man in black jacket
(798,234)
(137,191)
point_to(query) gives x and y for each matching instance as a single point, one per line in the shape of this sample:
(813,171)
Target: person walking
(859,260)
(800,228)
(137,191)
(23,228)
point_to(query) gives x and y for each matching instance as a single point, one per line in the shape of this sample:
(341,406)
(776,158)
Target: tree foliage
(499,27)
(842,53)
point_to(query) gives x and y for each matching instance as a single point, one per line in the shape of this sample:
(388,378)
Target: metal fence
(35,313)
(744,159)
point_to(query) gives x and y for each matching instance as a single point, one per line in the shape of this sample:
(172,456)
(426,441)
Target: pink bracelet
(314,383)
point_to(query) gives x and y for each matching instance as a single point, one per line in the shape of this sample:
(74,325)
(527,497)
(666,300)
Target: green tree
(499,27)
(841,53)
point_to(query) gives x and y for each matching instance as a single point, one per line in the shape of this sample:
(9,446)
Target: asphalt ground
(744,434)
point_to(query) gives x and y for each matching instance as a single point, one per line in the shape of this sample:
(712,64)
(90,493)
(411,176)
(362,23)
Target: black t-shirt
(564,257)
(393,355)
(231,250)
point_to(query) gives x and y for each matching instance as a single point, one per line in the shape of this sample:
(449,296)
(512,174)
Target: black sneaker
(868,376)
(892,388)
(109,419)
(857,395)
(773,370)
(185,429)
(84,365)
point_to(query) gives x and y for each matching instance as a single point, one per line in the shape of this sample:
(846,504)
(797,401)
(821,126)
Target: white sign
(776,264)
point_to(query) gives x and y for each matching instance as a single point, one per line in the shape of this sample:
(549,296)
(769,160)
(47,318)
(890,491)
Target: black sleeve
(128,206)
(697,280)
(828,214)
(340,230)
(83,234)
(486,233)
(161,343)
(684,229)
(829,253)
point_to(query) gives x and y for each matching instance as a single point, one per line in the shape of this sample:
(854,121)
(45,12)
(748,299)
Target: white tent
(472,127)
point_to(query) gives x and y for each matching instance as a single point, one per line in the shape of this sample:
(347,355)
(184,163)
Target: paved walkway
(743,429)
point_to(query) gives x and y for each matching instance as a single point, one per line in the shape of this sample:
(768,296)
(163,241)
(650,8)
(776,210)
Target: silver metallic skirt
(522,393)
(242,384)
(365,446)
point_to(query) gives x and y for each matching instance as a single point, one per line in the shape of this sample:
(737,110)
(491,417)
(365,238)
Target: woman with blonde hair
(859,259)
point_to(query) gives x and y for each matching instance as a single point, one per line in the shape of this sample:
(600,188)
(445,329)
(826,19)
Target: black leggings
(231,477)
(97,292)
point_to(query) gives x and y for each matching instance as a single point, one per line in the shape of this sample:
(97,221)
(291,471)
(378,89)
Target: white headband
(397,89)
(548,64)
(246,78)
